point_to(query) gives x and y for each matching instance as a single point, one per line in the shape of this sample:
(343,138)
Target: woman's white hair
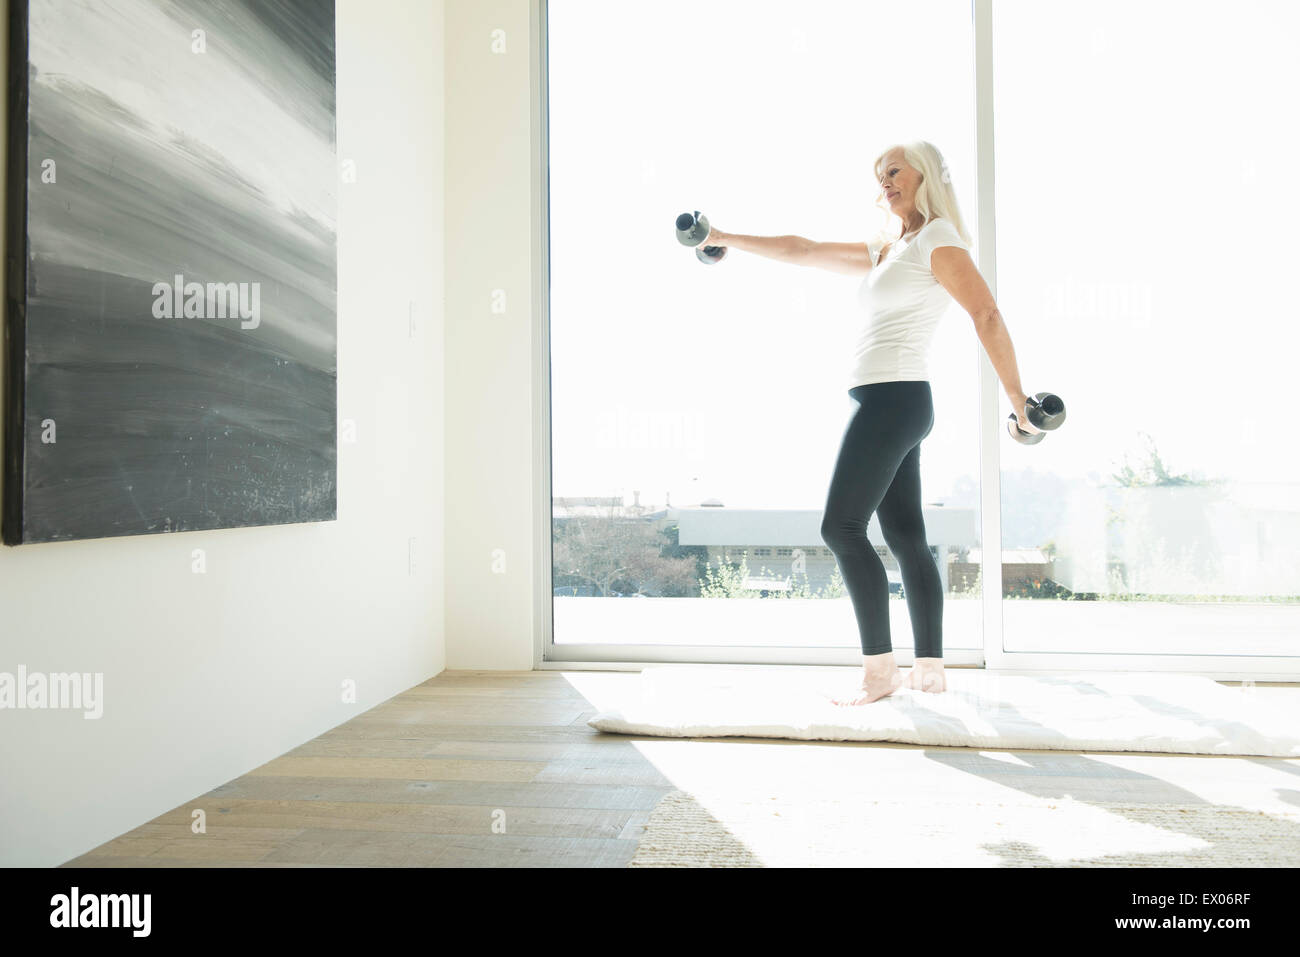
(935,196)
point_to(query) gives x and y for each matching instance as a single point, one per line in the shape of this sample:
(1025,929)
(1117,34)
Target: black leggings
(879,470)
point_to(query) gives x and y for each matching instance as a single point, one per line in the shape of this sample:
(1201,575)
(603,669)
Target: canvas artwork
(171,345)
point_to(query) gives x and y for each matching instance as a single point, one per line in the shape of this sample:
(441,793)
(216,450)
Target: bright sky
(1137,273)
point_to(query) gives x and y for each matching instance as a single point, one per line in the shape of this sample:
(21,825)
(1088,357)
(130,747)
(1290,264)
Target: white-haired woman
(911,271)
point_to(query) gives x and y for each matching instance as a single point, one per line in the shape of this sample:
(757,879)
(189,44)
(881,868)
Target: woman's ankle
(876,667)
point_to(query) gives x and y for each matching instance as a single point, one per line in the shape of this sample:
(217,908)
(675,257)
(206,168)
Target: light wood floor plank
(437,819)
(600,747)
(404,769)
(492,794)
(362,729)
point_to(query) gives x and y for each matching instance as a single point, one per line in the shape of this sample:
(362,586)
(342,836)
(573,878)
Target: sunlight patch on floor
(790,803)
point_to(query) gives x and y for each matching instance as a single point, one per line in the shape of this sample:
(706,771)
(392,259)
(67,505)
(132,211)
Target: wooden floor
(499,769)
(419,781)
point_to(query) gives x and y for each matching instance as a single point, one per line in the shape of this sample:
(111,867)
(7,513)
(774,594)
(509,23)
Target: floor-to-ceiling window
(1140,215)
(696,411)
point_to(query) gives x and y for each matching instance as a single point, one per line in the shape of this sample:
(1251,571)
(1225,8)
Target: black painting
(170,360)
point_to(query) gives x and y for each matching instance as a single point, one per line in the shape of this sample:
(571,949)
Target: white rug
(1093,712)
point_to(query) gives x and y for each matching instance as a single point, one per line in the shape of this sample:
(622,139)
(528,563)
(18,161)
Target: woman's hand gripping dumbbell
(1043,413)
(693,230)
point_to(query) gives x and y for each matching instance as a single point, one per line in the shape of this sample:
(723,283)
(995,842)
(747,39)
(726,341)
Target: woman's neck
(907,232)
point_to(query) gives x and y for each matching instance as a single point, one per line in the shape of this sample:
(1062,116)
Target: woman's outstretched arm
(850,258)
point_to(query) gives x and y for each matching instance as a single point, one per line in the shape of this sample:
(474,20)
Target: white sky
(1146,203)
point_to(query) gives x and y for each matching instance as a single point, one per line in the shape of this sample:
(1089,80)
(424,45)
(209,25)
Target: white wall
(208,676)
(490,438)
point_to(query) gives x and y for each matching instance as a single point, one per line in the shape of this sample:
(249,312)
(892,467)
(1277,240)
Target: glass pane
(1145,229)
(696,410)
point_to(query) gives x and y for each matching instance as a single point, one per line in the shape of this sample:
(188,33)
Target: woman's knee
(836,529)
(904,538)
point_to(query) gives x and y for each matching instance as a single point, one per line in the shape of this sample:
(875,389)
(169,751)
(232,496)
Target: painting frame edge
(16,256)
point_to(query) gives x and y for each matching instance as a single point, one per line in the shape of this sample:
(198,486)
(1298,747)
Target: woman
(911,271)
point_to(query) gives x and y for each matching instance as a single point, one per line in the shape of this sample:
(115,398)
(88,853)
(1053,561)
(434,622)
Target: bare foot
(926,674)
(880,678)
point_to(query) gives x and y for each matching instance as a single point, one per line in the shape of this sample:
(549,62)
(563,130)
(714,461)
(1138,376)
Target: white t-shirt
(903,304)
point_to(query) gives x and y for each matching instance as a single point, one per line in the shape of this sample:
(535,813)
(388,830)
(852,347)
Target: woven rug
(1075,712)
(775,830)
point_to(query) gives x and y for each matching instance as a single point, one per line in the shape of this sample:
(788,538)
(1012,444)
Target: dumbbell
(1044,411)
(693,229)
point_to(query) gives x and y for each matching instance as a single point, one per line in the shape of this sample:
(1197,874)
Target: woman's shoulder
(943,229)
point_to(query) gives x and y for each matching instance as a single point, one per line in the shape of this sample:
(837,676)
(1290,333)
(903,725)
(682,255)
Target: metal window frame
(993,655)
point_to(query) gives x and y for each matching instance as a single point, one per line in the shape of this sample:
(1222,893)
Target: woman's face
(899,182)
